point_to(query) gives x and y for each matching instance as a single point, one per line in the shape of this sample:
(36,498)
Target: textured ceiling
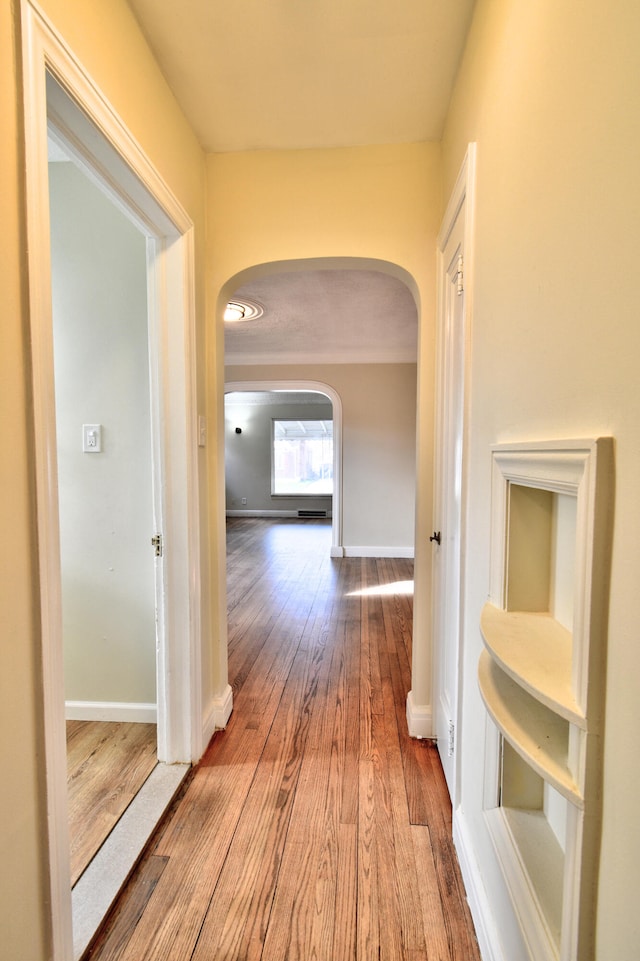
(283,74)
(294,74)
(267,398)
(326,316)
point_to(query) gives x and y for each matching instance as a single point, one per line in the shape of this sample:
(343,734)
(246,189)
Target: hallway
(314,827)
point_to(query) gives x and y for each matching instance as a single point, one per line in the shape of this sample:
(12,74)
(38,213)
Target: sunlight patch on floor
(397,587)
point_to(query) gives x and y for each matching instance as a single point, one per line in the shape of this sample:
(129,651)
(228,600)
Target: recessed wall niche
(541,678)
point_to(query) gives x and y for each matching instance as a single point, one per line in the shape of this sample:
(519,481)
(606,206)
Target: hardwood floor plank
(348,735)
(239,912)
(197,842)
(305,887)
(463,945)
(397,607)
(122,921)
(107,764)
(295,839)
(433,919)
(371,632)
(345,925)
(368,900)
(406,872)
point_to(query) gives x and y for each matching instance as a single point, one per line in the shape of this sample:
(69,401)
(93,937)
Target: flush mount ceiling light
(237,311)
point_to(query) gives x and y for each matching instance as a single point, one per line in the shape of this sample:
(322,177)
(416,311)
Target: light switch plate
(92,438)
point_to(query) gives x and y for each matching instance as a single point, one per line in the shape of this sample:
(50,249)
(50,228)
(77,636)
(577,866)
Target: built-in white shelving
(536,652)
(540,676)
(538,734)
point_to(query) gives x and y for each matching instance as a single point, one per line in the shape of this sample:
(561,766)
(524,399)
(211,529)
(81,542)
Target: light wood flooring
(314,827)
(107,764)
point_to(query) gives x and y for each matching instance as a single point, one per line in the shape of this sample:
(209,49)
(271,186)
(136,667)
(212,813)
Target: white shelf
(544,861)
(541,683)
(534,866)
(536,652)
(538,734)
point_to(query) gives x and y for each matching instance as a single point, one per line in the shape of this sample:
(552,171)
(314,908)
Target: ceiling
(296,74)
(326,316)
(293,74)
(266,398)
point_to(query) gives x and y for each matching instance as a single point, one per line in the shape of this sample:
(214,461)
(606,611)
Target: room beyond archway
(252,410)
(348,328)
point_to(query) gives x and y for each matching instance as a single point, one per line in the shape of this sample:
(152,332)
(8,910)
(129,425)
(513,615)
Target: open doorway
(62,100)
(255,414)
(110,476)
(346,328)
(105,499)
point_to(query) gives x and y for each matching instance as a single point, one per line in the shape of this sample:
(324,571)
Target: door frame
(85,120)
(461,204)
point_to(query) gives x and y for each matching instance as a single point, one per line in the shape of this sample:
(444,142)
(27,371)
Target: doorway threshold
(108,872)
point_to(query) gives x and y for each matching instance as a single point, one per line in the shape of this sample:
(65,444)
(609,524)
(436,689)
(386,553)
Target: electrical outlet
(244,500)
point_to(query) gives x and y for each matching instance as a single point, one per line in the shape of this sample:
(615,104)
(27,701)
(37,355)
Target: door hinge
(156,541)
(452,738)
(460,276)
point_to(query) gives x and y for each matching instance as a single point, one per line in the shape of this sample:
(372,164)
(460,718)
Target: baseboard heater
(312,513)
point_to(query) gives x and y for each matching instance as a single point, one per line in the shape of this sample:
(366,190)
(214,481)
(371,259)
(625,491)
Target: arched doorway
(300,386)
(317,319)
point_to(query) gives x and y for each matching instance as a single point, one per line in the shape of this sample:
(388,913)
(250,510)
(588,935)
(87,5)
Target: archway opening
(347,327)
(305,414)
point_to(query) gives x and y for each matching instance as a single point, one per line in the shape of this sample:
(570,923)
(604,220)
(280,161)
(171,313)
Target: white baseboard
(259,513)
(337,552)
(419,718)
(378,552)
(487,931)
(111,711)
(218,714)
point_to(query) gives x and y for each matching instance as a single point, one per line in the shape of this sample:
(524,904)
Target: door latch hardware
(156,541)
(460,277)
(435,537)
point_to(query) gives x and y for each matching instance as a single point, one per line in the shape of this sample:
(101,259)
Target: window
(302,454)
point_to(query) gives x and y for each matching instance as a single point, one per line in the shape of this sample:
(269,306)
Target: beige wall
(108,43)
(23,919)
(371,202)
(378,446)
(550,91)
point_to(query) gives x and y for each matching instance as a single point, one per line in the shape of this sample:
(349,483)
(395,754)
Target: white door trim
(119,165)
(337,548)
(461,204)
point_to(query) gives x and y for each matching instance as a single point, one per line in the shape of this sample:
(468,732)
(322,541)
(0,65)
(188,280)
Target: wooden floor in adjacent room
(107,764)
(314,827)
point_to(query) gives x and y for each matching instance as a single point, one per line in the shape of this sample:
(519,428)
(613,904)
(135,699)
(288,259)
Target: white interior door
(449,476)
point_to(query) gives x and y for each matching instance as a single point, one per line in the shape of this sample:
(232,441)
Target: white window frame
(303,494)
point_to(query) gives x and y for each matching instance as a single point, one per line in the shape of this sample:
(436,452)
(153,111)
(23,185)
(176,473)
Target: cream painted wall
(378,446)
(99,283)
(107,41)
(550,91)
(23,879)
